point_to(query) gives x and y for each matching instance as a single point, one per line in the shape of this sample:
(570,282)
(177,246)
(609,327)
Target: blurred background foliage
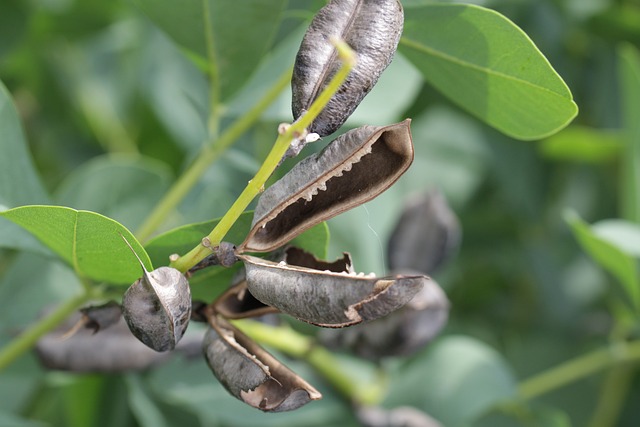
(113,110)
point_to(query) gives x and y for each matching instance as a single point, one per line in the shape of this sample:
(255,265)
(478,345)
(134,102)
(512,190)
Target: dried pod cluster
(351,170)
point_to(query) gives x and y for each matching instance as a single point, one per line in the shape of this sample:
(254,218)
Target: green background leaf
(611,257)
(241,33)
(488,66)
(91,243)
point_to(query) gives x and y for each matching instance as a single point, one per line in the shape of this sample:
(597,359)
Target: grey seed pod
(157,307)
(372,28)
(326,298)
(351,170)
(401,333)
(113,349)
(425,236)
(250,373)
(238,303)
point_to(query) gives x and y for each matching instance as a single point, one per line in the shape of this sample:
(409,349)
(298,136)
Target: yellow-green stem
(256,185)
(297,345)
(578,368)
(207,156)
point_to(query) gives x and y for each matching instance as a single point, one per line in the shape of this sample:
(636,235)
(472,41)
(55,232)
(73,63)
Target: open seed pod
(250,373)
(401,333)
(157,307)
(426,235)
(351,170)
(372,29)
(327,298)
(238,303)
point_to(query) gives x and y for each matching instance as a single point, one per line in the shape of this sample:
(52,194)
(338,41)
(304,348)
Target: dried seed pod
(157,307)
(327,298)
(351,170)
(426,235)
(238,303)
(372,28)
(250,373)
(110,350)
(401,333)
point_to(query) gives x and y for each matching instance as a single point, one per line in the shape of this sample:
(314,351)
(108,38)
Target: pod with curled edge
(351,170)
(372,28)
(327,298)
(250,373)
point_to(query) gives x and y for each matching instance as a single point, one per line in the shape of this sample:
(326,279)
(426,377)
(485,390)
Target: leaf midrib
(443,55)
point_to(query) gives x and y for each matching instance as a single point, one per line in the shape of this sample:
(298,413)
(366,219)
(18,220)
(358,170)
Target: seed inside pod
(351,170)
(372,28)
(327,298)
(250,373)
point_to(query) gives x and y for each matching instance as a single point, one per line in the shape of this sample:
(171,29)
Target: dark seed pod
(426,235)
(250,373)
(327,298)
(372,28)
(351,170)
(401,333)
(238,303)
(157,307)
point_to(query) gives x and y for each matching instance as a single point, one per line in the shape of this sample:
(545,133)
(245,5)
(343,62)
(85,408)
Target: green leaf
(456,380)
(91,243)
(488,66)
(608,255)
(629,66)
(19,182)
(624,234)
(237,34)
(583,144)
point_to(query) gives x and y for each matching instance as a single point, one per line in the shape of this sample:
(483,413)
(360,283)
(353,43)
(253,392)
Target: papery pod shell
(110,350)
(401,333)
(351,170)
(326,298)
(426,235)
(250,373)
(372,28)
(238,303)
(157,308)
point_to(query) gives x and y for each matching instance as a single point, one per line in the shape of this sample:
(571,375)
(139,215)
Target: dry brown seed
(372,28)
(426,235)
(327,298)
(351,170)
(157,307)
(250,373)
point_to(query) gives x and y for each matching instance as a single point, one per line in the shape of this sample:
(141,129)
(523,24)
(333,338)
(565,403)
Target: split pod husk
(372,28)
(157,307)
(351,170)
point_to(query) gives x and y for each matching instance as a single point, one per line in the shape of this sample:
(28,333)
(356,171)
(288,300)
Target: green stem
(294,344)
(578,368)
(256,185)
(28,338)
(612,396)
(207,156)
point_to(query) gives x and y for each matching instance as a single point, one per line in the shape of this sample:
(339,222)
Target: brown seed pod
(425,236)
(238,303)
(157,307)
(372,28)
(351,170)
(250,373)
(401,333)
(327,298)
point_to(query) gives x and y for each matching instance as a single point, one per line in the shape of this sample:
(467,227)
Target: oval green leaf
(91,243)
(231,36)
(488,66)
(607,254)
